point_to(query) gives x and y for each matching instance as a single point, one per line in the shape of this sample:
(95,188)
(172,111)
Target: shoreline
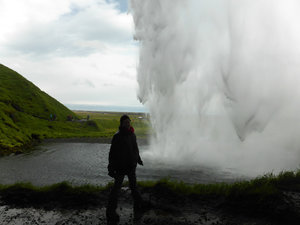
(28,147)
(101,140)
(104,140)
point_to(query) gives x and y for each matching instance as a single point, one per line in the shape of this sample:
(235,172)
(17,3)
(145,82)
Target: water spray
(221,79)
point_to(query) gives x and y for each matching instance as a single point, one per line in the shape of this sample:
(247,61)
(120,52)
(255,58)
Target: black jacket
(124,152)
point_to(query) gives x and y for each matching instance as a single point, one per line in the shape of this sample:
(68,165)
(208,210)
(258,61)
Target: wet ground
(163,211)
(160,215)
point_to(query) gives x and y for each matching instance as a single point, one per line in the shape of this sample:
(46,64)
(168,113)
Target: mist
(221,80)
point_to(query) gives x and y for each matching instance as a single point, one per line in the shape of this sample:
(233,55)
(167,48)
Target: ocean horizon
(107,108)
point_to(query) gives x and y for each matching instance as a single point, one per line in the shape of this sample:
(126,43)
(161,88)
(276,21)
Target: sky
(80,52)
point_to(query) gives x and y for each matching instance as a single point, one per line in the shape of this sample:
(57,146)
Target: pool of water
(81,163)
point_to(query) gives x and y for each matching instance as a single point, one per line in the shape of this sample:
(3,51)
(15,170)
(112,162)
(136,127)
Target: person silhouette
(123,159)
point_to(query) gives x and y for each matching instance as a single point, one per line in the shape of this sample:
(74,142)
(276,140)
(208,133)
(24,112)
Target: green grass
(25,116)
(20,95)
(262,196)
(25,112)
(268,184)
(65,187)
(62,195)
(261,193)
(108,122)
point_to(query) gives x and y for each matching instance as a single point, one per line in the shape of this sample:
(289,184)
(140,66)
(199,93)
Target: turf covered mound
(28,114)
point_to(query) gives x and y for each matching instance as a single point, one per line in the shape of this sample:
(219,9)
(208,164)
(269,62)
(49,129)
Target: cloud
(76,29)
(78,51)
(84,82)
(93,79)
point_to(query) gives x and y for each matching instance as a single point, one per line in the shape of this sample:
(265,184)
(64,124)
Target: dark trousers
(113,196)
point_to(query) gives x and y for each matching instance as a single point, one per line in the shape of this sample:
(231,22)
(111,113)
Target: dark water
(81,163)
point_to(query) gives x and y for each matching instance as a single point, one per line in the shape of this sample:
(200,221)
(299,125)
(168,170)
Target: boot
(139,208)
(112,217)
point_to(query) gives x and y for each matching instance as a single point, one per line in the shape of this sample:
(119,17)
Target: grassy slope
(25,112)
(25,116)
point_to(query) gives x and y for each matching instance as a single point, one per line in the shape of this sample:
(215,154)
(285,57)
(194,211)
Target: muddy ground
(164,207)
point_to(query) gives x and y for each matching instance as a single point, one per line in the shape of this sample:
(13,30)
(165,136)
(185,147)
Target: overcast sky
(78,51)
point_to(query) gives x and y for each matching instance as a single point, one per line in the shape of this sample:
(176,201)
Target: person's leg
(134,191)
(113,197)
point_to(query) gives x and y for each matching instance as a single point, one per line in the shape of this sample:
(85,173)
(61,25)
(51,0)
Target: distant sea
(138,109)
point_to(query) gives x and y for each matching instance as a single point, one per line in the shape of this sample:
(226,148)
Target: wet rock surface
(163,208)
(31,216)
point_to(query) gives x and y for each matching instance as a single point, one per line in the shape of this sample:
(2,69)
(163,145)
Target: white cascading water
(221,79)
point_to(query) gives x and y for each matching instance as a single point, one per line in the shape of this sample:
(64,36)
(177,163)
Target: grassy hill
(25,114)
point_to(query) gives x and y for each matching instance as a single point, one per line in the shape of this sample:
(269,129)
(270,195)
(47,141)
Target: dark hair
(124,117)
